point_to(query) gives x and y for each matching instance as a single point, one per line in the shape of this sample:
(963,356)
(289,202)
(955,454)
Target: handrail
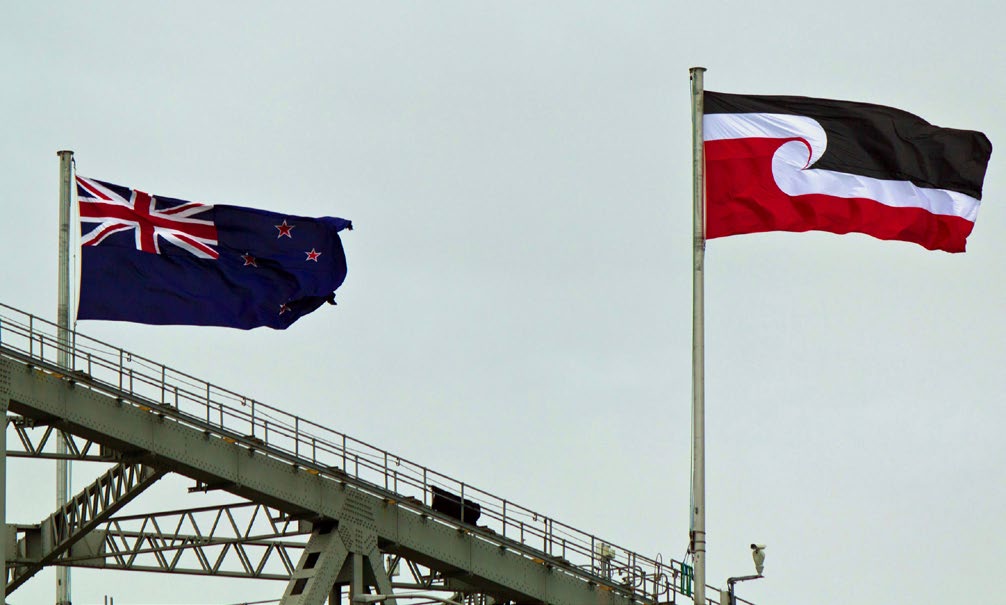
(279,434)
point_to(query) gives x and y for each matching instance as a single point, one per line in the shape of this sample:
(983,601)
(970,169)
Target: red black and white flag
(800,164)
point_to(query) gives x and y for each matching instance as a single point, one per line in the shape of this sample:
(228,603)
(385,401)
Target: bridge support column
(322,560)
(358,529)
(356,588)
(334,558)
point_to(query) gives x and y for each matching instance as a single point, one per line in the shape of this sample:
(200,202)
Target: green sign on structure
(687,576)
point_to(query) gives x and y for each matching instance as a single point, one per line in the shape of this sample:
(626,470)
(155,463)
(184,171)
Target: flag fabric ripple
(777,163)
(160,260)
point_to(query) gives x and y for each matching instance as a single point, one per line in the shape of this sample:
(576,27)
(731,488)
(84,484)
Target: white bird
(758,554)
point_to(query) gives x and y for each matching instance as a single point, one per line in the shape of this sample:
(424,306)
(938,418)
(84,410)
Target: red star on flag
(312,255)
(248,259)
(284,230)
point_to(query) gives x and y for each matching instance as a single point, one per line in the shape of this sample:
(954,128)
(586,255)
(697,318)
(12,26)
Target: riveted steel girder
(492,563)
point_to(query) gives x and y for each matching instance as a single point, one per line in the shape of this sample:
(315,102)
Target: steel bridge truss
(240,540)
(244,540)
(320,511)
(41,443)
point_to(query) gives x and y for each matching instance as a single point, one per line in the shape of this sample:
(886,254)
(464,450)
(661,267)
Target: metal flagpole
(698,512)
(63,358)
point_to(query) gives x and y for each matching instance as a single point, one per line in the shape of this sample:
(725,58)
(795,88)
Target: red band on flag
(742,197)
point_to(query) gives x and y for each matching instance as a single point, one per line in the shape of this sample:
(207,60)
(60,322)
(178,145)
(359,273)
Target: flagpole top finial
(695,69)
(64,151)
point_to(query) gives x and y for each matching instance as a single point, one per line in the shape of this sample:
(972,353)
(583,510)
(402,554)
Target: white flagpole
(63,334)
(698,512)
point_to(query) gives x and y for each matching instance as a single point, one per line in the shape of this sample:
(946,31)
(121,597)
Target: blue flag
(159,260)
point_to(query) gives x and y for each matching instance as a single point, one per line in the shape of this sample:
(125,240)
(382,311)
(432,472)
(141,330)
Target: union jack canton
(150,218)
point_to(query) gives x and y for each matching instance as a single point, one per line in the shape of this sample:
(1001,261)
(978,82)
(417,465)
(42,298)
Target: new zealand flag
(159,260)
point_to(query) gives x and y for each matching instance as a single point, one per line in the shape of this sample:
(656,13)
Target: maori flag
(800,164)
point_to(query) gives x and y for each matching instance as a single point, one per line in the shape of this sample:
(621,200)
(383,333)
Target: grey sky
(517,311)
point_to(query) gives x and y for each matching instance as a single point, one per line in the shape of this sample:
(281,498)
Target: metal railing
(324,451)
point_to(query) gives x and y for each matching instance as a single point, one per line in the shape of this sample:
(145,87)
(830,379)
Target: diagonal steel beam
(40,440)
(381,579)
(44,543)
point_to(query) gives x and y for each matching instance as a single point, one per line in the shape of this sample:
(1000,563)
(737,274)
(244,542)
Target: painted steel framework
(355,503)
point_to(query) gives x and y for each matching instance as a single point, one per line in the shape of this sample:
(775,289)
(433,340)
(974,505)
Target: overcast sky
(517,310)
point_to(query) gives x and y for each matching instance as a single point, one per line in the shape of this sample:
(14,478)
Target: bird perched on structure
(758,554)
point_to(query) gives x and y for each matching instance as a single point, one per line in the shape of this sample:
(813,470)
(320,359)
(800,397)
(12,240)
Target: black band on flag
(877,141)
